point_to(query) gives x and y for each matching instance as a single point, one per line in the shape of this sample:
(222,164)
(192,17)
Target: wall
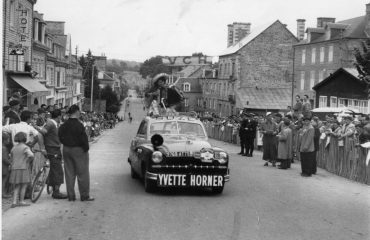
(267,60)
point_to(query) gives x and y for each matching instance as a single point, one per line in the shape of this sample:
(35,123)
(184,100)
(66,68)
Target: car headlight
(223,157)
(157,157)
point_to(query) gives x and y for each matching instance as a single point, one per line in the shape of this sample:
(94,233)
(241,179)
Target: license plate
(192,180)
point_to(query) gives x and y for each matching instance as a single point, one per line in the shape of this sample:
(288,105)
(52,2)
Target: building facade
(259,69)
(18,76)
(236,32)
(328,47)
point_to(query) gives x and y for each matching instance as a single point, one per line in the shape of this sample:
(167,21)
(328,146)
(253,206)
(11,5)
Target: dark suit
(251,129)
(242,136)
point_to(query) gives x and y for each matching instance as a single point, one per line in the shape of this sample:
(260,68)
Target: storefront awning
(30,84)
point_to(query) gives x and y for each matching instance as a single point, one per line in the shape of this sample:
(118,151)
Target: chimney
(321,21)
(300,28)
(367,17)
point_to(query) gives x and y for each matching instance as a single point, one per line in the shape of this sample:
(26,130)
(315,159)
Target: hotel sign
(187,60)
(23,23)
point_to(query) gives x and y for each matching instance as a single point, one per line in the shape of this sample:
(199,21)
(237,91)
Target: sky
(137,30)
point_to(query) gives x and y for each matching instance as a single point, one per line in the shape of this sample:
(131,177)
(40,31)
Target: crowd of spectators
(284,137)
(14,113)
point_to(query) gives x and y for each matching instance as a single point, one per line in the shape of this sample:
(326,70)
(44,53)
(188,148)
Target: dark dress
(269,140)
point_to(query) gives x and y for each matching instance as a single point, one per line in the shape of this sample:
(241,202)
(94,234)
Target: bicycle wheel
(39,184)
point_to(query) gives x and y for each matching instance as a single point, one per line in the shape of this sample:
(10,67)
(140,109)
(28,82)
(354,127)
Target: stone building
(259,70)
(327,47)
(18,75)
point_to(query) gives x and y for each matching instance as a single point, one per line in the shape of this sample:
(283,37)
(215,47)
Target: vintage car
(175,152)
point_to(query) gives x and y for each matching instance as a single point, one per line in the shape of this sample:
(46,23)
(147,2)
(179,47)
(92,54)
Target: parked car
(175,152)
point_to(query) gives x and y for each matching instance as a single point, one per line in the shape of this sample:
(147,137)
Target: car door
(138,140)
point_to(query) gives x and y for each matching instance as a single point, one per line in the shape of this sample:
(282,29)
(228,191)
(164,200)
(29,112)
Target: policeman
(251,130)
(242,134)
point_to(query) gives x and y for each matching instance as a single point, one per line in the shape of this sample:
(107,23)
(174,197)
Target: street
(258,203)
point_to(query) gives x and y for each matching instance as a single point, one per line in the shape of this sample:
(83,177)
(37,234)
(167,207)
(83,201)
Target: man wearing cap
(73,136)
(251,130)
(12,116)
(306,147)
(53,149)
(242,134)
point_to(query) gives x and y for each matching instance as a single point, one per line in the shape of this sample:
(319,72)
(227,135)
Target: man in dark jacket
(76,155)
(242,135)
(250,135)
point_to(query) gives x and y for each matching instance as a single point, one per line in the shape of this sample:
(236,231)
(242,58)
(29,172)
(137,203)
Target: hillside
(118,66)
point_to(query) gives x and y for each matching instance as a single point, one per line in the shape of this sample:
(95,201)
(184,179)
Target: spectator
(12,116)
(76,155)
(53,146)
(269,130)
(6,164)
(297,108)
(242,134)
(306,146)
(285,144)
(21,157)
(306,107)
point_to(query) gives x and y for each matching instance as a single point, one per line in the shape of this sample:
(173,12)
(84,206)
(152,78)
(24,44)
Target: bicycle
(41,178)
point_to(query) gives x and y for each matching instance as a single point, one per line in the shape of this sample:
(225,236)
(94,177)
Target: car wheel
(217,190)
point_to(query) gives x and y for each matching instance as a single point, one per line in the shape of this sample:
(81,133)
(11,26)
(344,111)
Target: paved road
(258,203)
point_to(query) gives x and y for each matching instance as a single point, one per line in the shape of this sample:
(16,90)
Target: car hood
(184,147)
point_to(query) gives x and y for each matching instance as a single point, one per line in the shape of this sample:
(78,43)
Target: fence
(346,161)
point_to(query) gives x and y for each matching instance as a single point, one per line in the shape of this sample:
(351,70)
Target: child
(6,164)
(20,176)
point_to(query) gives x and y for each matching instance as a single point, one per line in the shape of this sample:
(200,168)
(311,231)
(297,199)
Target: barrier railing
(346,161)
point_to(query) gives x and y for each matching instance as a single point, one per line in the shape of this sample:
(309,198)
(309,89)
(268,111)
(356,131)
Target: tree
(363,61)
(153,66)
(87,62)
(112,103)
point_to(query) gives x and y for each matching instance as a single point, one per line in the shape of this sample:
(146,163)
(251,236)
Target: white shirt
(13,129)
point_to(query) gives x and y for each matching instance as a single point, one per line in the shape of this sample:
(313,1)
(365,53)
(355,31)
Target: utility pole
(92,89)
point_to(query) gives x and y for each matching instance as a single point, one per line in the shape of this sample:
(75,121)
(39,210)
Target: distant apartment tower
(236,32)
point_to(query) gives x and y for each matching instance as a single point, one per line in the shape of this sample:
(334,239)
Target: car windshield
(177,128)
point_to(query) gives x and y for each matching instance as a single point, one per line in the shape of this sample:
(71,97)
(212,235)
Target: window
(333,102)
(143,128)
(322,54)
(214,104)
(321,75)
(313,55)
(35,29)
(312,79)
(186,87)
(186,102)
(302,80)
(58,78)
(323,101)
(303,56)
(330,57)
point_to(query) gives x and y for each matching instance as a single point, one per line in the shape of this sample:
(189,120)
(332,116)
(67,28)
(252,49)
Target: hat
(348,117)
(268,113)
(306,118)
(13,102)
(278,115)
(160,76)
(74,108)
(41,110)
